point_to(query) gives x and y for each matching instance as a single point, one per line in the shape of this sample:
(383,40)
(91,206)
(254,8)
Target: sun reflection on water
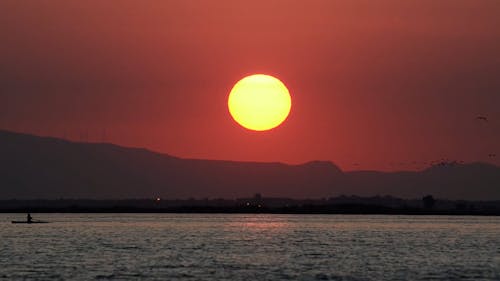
(260,223)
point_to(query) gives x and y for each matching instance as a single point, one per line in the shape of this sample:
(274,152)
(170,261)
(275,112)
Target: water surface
(250,247)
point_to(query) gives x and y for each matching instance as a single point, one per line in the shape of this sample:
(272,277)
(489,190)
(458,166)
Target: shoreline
(214,210)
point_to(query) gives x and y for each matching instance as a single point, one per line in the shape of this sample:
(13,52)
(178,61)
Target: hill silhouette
(33,167)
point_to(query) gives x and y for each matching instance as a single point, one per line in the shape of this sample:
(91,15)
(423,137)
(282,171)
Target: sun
(259,102)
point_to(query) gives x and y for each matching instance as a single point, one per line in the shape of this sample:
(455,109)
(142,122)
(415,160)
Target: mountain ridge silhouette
(34,167)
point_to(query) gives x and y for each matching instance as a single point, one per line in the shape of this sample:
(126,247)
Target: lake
(249,247)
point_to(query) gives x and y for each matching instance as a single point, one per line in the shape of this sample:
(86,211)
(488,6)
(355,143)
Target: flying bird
(482,118)
(491,155)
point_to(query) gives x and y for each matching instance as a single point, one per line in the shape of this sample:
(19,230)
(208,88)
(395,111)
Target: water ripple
(243,247)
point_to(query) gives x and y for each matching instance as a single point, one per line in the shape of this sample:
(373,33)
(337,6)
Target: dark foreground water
(250,247)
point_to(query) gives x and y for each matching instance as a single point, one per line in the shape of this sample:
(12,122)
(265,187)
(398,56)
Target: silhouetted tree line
(259,204)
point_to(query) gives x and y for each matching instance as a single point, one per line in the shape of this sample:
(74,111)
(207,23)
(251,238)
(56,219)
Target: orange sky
(381,84)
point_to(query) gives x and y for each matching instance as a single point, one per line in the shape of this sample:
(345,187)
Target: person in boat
(29,218)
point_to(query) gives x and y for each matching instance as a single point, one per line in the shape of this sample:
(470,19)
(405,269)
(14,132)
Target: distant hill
(33,167)
(40,167)
(473,181)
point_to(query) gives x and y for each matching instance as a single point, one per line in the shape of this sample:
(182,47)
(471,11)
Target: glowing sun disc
(259,102)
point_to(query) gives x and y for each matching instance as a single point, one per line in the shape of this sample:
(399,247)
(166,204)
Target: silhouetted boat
(30,222)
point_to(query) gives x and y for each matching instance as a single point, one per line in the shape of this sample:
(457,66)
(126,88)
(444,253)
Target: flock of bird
(438,162)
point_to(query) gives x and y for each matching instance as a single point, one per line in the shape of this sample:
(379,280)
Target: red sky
(381,84)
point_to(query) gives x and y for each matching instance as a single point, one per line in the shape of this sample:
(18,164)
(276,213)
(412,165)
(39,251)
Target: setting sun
(259,102)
